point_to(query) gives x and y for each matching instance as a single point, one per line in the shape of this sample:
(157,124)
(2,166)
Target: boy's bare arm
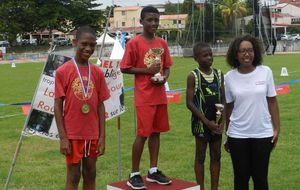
(65,147)
(101,142)
(191,106)
(151,70)
(166,73)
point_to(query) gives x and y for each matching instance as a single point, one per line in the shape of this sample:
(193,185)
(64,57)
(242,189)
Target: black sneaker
(136,182)
(158,177)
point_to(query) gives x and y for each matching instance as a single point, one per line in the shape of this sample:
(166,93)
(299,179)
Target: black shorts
(204,134)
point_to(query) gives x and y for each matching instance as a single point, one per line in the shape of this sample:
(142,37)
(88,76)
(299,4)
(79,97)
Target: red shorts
(152,119)
(81,149)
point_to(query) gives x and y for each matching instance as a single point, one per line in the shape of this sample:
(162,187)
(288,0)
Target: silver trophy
(219,108)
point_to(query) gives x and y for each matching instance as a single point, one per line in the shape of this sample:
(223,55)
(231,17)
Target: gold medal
(85,108)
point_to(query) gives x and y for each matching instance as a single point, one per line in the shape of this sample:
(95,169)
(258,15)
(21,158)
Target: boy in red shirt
(148,58)
(80,90)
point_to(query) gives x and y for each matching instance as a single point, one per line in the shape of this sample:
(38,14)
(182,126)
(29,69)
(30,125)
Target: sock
(134,173)
(153,170)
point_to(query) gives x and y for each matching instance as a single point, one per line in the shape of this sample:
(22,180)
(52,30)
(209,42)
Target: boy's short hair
(148,9)
(85,29)
(198,46)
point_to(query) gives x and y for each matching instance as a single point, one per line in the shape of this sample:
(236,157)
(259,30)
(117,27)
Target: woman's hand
(226,146)
(275,137)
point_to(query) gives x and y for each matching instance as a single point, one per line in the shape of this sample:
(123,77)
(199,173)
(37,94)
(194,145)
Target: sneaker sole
(132,187)
(155,181)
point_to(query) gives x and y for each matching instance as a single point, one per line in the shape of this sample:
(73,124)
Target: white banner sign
(41,120)
(114,80)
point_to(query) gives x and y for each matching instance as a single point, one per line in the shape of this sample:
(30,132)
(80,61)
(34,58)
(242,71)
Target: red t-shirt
(67,84)
(139,53)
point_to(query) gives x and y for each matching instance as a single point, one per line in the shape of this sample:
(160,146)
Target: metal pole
(119,148)
(213,41)
(235,19)
(14,159)
(204,21)
(193,30)
(105,32)
(177,28)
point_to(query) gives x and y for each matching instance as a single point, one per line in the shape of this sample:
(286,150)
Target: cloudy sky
(133,2)
(146,2)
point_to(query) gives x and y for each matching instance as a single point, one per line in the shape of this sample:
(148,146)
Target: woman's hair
(85,29)
(148,9)
(233,50)
(198,46)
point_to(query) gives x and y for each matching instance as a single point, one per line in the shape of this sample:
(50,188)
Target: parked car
(23,42)
(286,37)
(295,36)
(4,43)
(61,41)
(33,42)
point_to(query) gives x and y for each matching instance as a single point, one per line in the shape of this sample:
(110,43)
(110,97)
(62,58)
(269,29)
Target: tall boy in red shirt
(147,56)
(80,90)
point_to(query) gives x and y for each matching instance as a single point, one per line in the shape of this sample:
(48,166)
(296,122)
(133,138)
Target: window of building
(277,10)
(123,23)
(295,21)
(123,13)
(176,21)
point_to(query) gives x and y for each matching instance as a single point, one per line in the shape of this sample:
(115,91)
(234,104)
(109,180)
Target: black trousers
(250,158)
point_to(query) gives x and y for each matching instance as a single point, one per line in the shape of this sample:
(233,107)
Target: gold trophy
(219,108)
(157,53)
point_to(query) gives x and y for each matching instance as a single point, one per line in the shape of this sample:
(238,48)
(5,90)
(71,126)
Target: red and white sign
(283,89)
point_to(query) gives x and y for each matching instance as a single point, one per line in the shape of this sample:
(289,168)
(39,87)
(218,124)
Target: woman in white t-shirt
(252,113)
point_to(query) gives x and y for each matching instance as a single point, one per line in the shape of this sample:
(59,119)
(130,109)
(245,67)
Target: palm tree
(231,10)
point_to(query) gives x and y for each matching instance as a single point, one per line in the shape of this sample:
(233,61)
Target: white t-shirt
(250,116)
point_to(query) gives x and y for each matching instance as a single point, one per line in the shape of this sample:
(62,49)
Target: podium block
(177,184)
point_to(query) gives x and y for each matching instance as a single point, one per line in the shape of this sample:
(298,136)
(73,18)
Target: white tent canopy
(108,39)
(117,51)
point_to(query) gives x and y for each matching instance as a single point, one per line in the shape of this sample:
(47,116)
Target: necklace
(85,108)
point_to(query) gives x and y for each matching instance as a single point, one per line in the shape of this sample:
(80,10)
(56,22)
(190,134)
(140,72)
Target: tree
(84,12)
(15,17)
(230,10)
(20,17)
(173,8)
(249,6)
(188,6)
(50,15)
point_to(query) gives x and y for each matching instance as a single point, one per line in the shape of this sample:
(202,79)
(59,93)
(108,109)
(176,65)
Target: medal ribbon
(85,89)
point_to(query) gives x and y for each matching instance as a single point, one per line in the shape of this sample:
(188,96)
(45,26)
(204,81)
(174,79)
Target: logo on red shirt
(77,88)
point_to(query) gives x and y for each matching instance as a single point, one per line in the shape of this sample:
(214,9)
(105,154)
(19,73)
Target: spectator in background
(1,55)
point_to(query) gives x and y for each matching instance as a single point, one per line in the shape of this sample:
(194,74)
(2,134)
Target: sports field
(41,166)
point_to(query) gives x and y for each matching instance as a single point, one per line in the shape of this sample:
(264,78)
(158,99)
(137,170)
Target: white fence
(218,49)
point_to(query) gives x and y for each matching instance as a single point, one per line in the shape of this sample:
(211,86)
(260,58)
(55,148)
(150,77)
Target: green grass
(41,166)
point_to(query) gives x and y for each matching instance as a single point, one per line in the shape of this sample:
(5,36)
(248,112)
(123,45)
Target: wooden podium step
(177,184)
